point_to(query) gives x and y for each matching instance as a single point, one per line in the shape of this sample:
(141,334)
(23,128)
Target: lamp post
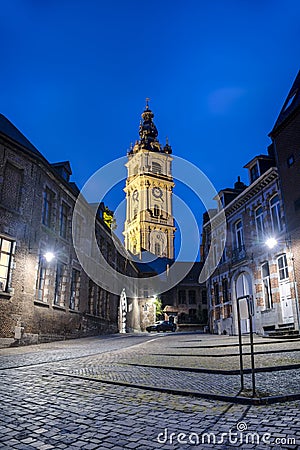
(49,256)
(271,242)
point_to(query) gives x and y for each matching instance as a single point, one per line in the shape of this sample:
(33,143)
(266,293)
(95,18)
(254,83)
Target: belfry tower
(149,221)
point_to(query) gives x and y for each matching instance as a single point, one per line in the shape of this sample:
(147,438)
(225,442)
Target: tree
(158,307)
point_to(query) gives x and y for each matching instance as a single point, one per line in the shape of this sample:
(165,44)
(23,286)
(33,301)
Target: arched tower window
(156,167)
(156,210)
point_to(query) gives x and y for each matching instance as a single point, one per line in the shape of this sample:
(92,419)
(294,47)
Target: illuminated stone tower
(149,221)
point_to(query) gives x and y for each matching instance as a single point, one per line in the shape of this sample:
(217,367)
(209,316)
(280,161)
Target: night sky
(75,74)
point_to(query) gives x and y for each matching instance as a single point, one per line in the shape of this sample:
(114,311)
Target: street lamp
(271,242)
(49,256)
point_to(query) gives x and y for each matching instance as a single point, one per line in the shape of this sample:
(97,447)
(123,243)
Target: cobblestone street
(99,393)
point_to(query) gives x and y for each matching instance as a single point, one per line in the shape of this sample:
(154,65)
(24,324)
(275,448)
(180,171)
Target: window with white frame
(275,214)
(7,250)
(239,235)
(259,222)
(282,265)
(266,284)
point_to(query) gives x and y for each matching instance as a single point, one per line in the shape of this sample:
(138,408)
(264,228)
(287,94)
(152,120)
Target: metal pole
(240,345)
(252,356)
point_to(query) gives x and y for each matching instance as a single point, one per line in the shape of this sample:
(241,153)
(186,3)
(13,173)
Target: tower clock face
(157,192)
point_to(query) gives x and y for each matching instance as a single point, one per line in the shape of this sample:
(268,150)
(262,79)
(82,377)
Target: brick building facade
(286,140)
(241,261)
(44,300)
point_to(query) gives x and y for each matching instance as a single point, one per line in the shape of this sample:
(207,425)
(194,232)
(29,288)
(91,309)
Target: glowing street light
(49,256)
(271,242)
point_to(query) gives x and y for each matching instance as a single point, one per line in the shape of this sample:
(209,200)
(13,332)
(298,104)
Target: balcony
(238,254)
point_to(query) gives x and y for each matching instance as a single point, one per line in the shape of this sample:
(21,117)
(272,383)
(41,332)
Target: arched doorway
(243,287)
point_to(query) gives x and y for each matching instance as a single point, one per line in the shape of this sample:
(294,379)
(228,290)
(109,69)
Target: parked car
(162,325)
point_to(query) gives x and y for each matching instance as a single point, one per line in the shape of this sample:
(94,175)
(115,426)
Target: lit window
(259,222)
(266,282)
(283,271)
(7,250)
(275,214)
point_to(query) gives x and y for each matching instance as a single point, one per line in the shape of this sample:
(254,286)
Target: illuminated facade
(286,140)
(40,299)
(149,221)
(248,266)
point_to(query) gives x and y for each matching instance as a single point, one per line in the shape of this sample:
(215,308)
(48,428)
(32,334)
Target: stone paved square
(83,394)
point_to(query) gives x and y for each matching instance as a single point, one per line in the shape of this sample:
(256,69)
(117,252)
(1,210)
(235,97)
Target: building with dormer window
(248,266)
(286,140)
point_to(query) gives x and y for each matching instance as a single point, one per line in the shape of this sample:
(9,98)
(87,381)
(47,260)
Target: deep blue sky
(74,77)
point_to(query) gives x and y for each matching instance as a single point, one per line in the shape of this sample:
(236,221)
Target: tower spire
(148,131)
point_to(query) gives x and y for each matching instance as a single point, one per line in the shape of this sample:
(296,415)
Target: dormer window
(254,172)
